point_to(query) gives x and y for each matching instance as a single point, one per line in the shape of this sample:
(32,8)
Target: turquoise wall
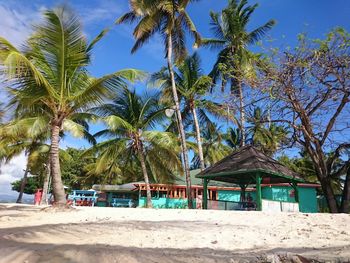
(307,197)
(233,196)
(308,200)
(163,202)
(278,193)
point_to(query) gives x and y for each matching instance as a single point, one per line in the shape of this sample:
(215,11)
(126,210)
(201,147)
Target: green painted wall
(165,202)
(278,193)
(307,197)
(234,196)
(308,200)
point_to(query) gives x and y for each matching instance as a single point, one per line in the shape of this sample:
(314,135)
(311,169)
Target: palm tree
(235,62)
(23,136)
(192,86)
(131,140)
(17,141)
(50,80)
(170,19)
(14,149)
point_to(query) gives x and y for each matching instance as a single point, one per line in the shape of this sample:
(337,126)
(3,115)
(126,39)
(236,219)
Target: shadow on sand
(12,250)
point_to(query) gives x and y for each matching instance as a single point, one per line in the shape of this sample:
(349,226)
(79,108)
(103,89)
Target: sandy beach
(30,234)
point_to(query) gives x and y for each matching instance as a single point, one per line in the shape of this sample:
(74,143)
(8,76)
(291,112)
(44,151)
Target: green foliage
(267,137)
(231,36)
(33,183)
(214,148)
(192,86)
(130,121)
(74,172)
(233,138)
(50,82)
(166,17)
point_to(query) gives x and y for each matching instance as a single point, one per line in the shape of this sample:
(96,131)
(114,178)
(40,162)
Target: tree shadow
(14,250)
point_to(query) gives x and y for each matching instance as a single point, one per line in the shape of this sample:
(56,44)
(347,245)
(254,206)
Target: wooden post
(205,194)
(258,192)
(296,191)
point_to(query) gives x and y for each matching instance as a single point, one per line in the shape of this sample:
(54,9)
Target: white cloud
(16,23)
(99,11)
(11,172)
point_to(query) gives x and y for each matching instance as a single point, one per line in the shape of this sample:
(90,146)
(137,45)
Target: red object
(37,196)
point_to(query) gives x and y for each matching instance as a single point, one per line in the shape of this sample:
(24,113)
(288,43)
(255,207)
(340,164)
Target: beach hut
(250,167)
(124,195)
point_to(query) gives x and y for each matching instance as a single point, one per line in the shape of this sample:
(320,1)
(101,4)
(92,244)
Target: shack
(277,188)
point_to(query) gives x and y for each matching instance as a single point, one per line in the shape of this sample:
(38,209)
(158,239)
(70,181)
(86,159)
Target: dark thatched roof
(241,167)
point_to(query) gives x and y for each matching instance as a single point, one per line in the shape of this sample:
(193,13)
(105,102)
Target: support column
(258,192)
(296,191)
(205,194)
(243,188)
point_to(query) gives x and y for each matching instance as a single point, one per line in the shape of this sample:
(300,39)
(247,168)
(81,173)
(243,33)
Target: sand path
(28,234)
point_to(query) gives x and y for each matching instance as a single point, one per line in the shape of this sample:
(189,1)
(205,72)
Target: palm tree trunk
(145,174)
(23,185)
(242,113)
(181,127)
(198,138)
(57,185)
(44,200)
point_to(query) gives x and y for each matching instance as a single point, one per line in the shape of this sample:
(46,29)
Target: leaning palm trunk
(181,127)
(242,113)
(198,138)
(23,185)
(57,185)
(44,198)
(145,174)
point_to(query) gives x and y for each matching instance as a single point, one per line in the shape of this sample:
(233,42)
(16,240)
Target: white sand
(28,234)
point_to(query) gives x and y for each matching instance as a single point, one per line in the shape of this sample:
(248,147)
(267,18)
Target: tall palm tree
(170,19)
(130,121)
(192,86)
(235,62)
(50,80)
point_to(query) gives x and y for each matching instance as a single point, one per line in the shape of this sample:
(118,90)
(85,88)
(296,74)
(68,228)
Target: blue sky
(316,17)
